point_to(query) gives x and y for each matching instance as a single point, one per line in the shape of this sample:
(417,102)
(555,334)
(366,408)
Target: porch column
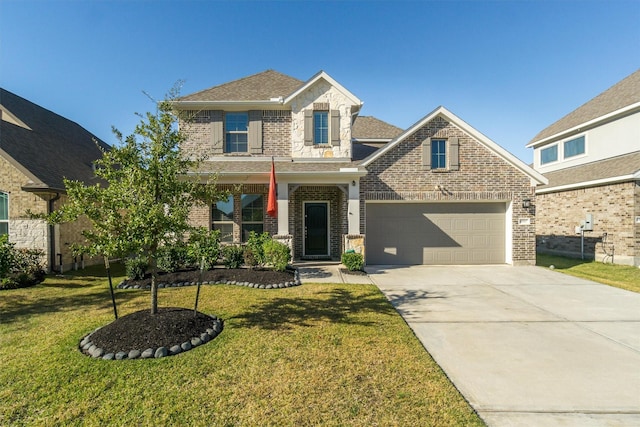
(283,208)
(354,207)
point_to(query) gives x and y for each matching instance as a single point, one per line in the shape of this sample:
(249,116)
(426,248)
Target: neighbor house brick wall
(197,130)
(614,208)
(482,176)
(337,216)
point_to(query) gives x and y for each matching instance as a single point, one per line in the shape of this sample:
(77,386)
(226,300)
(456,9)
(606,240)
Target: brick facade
(563,211)
(482,176)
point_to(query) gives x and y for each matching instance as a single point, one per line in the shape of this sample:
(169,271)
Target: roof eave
(187,105)
(630,109)
(586,184)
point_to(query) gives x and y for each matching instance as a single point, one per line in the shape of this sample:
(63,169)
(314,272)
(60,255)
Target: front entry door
(316,228)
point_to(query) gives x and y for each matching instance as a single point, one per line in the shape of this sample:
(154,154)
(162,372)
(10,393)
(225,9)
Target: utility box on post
(588,223)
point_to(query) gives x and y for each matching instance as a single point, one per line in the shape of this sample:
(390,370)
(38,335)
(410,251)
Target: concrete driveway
(524,345)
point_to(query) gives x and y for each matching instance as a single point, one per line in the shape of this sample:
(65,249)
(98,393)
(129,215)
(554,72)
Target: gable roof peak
(618,98)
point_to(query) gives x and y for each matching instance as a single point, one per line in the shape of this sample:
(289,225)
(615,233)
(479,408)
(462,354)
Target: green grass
(317,354)
(620,276)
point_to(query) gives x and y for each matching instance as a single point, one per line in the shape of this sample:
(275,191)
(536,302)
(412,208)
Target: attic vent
(324,106)
(201,116)
(276,113)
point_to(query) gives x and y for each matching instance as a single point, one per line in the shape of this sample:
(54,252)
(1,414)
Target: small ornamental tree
(146,199)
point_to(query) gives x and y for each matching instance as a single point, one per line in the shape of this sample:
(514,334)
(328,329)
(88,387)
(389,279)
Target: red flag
(272,202)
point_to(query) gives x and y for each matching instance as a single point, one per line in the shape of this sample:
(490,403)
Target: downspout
(52,234)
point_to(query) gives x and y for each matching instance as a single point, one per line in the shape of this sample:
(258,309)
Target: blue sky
(508,68)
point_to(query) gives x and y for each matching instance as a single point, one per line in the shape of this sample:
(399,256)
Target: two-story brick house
(591,206)
(38,148)
(438,193)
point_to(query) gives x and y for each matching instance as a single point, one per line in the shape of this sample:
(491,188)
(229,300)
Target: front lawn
(308,355)
(621,276)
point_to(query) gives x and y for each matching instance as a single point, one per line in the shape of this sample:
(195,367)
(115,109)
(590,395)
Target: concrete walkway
(524,345)
(328,272)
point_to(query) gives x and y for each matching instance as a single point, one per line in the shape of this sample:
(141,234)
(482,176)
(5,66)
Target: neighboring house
(439,192)
(39,148)
(591,206)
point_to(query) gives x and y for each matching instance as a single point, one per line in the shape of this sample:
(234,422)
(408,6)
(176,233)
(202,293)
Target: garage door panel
(436,233)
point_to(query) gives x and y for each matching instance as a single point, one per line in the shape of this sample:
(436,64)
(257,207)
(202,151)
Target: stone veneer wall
(482,176)
(321,92)
(337,216)
(614,208)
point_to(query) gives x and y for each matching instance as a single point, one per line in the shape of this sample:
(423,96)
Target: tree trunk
(154,285)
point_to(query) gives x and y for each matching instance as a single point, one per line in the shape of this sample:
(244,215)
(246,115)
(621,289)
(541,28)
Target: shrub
(204,244)
(136,267)
(277,254)
(233,256)
(254,249)
(19,267)
(7,256)
(172,257)
(353,261)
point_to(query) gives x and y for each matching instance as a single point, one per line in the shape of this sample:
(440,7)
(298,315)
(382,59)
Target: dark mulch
(142,330)
(257,275)
(173,326)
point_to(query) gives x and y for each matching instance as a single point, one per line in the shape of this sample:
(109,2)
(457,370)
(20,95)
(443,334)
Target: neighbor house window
(4,213)
(320,127)
(252,214)
(574,147)
(236,132)
(438,154)
(549,154)
(222,219)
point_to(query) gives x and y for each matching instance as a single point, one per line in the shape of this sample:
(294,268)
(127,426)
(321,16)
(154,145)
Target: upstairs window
(4,213)
(222,219)
(438,154)
(574,147)
(549,154)
(320,127)
(236,132)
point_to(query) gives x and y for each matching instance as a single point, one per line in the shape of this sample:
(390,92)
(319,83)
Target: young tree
(147,197)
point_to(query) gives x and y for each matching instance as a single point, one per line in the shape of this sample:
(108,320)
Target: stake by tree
(146,198)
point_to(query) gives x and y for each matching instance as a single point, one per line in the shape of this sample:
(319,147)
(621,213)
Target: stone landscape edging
(90,349)
(295,282)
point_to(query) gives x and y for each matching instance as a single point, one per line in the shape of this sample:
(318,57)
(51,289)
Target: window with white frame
(236,132)
(222,219)
(574,147)
(252,214)
(4,213)
(549,154)
(438,154)
(321,127)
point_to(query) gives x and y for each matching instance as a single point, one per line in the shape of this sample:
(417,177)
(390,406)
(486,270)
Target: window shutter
(335,127)
(454,157)
(426,154)
(255,132)
(217,132)
(308,127)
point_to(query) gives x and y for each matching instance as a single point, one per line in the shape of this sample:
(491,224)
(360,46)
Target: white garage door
(435,233)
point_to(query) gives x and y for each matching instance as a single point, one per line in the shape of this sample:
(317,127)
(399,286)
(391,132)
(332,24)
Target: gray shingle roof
(258,87)
(368,127)
(224,167)
(54,148)
(627,164)
(620,95)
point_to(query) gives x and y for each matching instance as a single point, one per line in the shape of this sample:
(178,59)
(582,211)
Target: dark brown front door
(316,228)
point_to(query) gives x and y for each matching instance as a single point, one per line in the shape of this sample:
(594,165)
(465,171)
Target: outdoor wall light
(526,203)
(353,183)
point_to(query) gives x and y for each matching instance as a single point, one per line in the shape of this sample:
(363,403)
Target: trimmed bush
(19,267)
(353,261)
(172,257)
(204,244)
(254,255)
(136,267)
(233,256)
(277,254)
